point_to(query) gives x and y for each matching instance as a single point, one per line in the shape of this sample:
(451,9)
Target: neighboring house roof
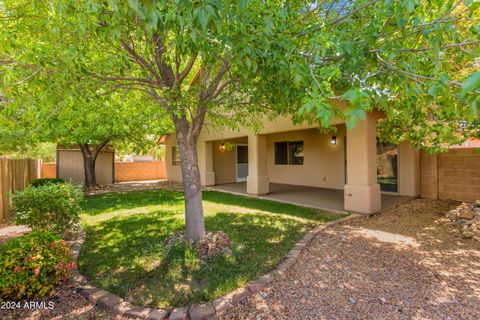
(162,139)
(470,143)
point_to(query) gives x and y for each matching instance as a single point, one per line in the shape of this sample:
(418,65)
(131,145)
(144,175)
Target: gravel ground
(67,305)
(407,263)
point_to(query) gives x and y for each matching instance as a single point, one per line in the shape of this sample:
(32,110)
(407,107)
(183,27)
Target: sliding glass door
(387,167)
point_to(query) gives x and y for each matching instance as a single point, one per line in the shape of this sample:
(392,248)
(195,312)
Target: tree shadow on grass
(127,255)
(99,204)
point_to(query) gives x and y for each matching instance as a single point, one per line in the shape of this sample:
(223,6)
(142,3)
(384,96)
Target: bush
(45,181)
(54,207)
(33,265)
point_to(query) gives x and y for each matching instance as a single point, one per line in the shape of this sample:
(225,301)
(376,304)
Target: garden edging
(117,305)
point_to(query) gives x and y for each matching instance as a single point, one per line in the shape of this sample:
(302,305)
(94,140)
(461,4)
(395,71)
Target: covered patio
(320,198)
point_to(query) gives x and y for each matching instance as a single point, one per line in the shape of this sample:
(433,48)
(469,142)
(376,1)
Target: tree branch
(142,62)
(165,71)
(187,70)
(98,148)
(414,76)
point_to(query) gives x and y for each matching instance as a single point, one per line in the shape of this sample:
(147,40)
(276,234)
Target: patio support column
(205,162)
(362,192)
(257,179)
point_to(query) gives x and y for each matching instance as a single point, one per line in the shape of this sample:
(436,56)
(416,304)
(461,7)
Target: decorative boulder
(214,243)
(467,218)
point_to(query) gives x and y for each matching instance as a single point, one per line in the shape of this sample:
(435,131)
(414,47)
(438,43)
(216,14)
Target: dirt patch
(11,231)
(407,263)
(135,186)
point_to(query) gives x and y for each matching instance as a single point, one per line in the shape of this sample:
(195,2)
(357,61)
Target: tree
(44,151)
(79,116)
(227,59)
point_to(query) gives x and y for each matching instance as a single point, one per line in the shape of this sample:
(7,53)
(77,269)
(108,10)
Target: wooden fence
(15,175)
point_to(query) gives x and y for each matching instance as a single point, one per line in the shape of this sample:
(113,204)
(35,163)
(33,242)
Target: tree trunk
(89,160)
(89,170)
(195,225)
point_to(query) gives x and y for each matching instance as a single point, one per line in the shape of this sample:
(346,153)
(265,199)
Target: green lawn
(124,251)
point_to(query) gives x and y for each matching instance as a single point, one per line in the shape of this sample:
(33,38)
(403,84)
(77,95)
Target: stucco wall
(324,163)
(224,162)
(173,173)
(408,170)
(279,124)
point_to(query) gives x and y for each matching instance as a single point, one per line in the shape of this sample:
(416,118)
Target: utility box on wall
(70,165)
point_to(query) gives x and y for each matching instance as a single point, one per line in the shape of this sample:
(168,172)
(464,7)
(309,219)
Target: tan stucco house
(300,155)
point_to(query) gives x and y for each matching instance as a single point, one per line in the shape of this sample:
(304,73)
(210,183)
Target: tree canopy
(415,60)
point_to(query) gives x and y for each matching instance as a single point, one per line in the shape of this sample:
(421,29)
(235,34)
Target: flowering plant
(33,265)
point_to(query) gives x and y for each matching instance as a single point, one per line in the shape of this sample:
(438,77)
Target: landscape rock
(467,217)
(214,243)
(201,312)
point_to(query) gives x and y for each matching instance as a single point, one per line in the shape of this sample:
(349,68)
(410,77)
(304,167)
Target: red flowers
(72,265)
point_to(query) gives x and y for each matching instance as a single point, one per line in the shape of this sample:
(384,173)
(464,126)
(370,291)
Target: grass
(124,251)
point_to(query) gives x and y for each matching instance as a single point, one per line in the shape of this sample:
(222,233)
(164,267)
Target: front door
(242,162)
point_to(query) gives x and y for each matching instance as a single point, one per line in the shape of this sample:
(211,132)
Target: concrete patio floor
(320,198)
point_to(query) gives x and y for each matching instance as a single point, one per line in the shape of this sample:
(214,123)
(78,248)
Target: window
(289,152)
(175,156)
(295,152)
(281,152)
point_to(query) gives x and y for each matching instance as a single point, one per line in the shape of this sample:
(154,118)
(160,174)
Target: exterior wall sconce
(223,147)
(226,146)
(333,141)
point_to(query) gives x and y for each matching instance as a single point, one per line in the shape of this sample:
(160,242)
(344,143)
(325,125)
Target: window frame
(175,156)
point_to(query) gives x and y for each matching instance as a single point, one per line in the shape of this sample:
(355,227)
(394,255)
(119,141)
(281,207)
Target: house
(341,164)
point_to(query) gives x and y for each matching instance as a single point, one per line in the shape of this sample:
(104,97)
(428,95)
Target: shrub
(44,181)
(54,207)
(33,265)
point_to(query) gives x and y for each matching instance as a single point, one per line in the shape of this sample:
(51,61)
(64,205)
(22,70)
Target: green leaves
(282,58)
(470,93)
(471,84)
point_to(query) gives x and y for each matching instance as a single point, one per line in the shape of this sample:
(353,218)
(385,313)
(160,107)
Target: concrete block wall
(135,171)
(49,170)
(124,171)
(454,175)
